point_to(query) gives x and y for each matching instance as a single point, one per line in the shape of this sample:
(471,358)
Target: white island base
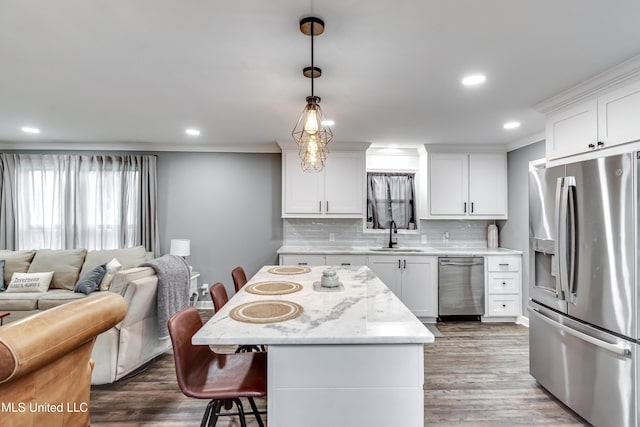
(346,385)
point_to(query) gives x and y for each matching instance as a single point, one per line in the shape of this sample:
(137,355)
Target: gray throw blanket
(173,288)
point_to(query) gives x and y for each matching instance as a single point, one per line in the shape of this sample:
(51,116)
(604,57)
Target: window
(390,196)
(69,201)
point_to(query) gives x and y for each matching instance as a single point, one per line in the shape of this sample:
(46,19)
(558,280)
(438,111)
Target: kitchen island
(353,356)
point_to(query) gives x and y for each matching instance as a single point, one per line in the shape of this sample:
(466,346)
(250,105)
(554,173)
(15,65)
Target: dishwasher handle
(460,264)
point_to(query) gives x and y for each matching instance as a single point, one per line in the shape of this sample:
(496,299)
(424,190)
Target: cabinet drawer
(302,260)
(346,260)
(503,263)
(503,305)
(503,283)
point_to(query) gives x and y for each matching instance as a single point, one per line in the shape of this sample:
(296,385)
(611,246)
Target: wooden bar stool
(222,378)
(239,278)
(220,297)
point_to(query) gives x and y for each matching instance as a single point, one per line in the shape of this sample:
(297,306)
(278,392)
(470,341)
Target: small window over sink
(391,197)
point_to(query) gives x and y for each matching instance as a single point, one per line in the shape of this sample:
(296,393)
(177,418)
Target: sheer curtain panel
(390,196)
(73,201)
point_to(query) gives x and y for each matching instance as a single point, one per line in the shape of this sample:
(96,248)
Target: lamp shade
(180,247)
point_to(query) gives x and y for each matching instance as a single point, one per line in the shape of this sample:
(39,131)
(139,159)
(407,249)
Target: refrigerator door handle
(570,184)
(614,348)
(561,243)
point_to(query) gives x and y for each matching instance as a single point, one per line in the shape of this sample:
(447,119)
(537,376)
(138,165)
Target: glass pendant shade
(312,136)
(313,156)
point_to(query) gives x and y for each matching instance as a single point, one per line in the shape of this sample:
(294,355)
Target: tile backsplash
(350,232)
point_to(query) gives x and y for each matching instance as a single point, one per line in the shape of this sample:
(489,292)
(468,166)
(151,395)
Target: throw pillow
(112,267)
(30,282)
(2,275)
(90,282)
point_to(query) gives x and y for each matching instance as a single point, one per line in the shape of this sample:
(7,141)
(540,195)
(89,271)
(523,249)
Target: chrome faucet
(393,229)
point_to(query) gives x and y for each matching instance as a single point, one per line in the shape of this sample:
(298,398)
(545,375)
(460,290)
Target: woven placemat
(273,288)
(268,311)
(296,269)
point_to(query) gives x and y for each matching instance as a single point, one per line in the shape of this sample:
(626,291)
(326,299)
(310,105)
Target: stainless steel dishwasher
(461,286)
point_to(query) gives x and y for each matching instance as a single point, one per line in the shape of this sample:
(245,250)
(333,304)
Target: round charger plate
(273,288)
(268,311)
(293,269)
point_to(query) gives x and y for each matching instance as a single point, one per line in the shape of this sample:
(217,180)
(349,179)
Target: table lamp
(180,247)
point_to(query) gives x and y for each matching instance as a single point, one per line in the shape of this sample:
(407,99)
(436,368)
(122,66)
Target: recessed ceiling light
(192,132)
(29,129)
(474,79)
(511,125)
(328,123)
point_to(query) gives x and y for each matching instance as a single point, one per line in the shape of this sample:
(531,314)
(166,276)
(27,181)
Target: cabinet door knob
(302,263)
(504,305)
(327,206)
(405,264)
(471,207)
(399,261)
(345,263)
(320,206)
(592,146)
(465,207)
(600,144)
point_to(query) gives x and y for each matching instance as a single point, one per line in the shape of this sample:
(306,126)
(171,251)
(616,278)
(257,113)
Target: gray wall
(227,204)
(514,233)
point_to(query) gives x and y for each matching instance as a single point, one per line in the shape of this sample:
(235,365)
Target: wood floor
(476,375)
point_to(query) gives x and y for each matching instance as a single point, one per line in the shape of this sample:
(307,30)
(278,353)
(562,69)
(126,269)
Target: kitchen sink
(396,249)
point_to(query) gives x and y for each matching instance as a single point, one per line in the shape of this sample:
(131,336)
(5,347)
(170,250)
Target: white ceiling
(118,73)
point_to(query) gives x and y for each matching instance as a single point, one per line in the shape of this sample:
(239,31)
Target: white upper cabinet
(488,185)
(572,131)
(596,117)
(449,184)
(467,186)
(337,191)
(618,114)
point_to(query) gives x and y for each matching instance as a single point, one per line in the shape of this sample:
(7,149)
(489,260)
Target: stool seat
(222,378)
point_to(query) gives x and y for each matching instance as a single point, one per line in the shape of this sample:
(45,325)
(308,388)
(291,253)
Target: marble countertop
(365,312)
(413,250)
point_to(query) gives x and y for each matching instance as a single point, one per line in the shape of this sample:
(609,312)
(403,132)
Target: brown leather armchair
(45,362)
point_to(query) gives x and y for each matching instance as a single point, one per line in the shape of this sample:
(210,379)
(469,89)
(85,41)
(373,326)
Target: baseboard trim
(204,305)
(524,321)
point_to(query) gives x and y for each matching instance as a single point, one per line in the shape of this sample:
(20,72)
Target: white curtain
(72,201)
(390,196)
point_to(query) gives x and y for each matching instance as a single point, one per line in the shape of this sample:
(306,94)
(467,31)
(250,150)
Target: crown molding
(528,140)
(333,146)
(136,146)
(623,73)
(465,148)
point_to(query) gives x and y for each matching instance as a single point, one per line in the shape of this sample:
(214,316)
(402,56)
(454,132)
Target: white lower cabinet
(346,260)
(302,259)
(502,286)
(413,278)
(343,260)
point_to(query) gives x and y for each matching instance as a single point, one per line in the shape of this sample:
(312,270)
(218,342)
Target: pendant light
(310,133)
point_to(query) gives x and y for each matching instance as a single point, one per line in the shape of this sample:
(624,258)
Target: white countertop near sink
(424,250)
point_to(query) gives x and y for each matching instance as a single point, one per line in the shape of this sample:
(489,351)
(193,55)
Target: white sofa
(123,348)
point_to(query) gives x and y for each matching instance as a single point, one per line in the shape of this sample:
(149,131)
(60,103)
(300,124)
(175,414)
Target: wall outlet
(332,237)
(423,238)
(204,288)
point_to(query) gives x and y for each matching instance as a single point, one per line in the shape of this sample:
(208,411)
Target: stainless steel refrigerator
(583,309)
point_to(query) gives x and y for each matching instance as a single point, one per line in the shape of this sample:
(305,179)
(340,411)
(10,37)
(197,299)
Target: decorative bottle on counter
(492,236)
